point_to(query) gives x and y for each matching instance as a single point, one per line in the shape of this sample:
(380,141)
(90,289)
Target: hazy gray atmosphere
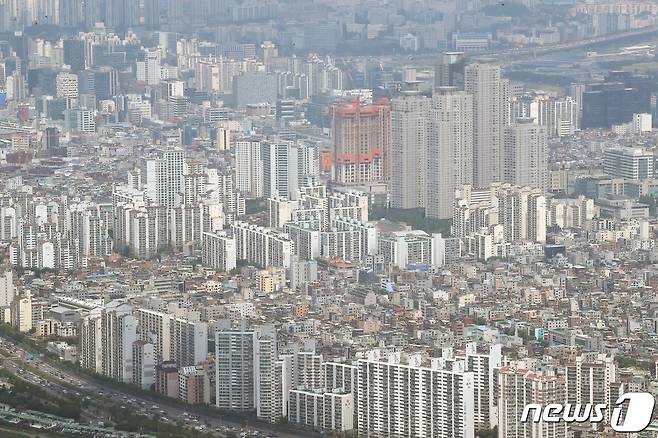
(328,218)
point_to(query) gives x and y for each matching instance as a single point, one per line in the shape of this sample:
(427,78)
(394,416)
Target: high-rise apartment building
(449,149)
(322,410)
(519,211)
(236,354)
(265,377)
(189,341)
(560,117)
(218,251)
(408,157)
(91,342)
(262,246)
(21,312)
(148,68)
(280,169)
(570,213)
(308,370)
(273,377)
(143,364)
(162,177)
(7,289)
(399,396)
(413,247)
(361,136)
(484,364)
(518,388)
(155,328)
(490,95)
(118,333)
(588,379)
(249,168)
(525,154)
(178,339)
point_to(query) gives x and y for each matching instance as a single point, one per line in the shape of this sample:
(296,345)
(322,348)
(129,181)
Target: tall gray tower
(408,150)
(449,149)
(490,113)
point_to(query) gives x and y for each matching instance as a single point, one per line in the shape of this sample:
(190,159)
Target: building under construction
(361,142)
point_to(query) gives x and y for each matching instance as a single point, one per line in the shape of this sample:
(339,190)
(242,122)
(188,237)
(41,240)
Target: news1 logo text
(639,411)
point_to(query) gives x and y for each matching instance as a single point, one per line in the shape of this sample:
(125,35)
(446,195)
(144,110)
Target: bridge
(510,55)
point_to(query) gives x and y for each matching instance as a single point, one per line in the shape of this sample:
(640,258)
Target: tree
(488,433)
(625,361)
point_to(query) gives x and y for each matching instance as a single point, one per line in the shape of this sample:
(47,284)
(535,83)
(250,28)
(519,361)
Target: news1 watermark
(638,406)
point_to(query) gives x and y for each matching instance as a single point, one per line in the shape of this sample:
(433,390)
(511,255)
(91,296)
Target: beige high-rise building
(490,114)
(525,154)
(449,151)
(361,136)
(409,120)
(590,378)
(518,388)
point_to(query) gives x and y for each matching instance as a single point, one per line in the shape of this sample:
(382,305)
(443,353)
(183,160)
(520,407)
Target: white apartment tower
(262,246)
(162,177)
(324,410)
(91,342)
(143,365)
(118,333)
(155,327)
(178,339)
(218,251)
(558,116)
(484,365)
(308,370)
(189,341)
(148,69)
(249,168)
(7,289)
(273,377)
(280,169)
(399,396)
(518,212)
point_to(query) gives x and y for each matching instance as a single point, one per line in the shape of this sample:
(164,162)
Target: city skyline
(306,218)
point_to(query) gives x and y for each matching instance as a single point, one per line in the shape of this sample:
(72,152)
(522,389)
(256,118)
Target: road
(511,56)
(516,54)
(63,380)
